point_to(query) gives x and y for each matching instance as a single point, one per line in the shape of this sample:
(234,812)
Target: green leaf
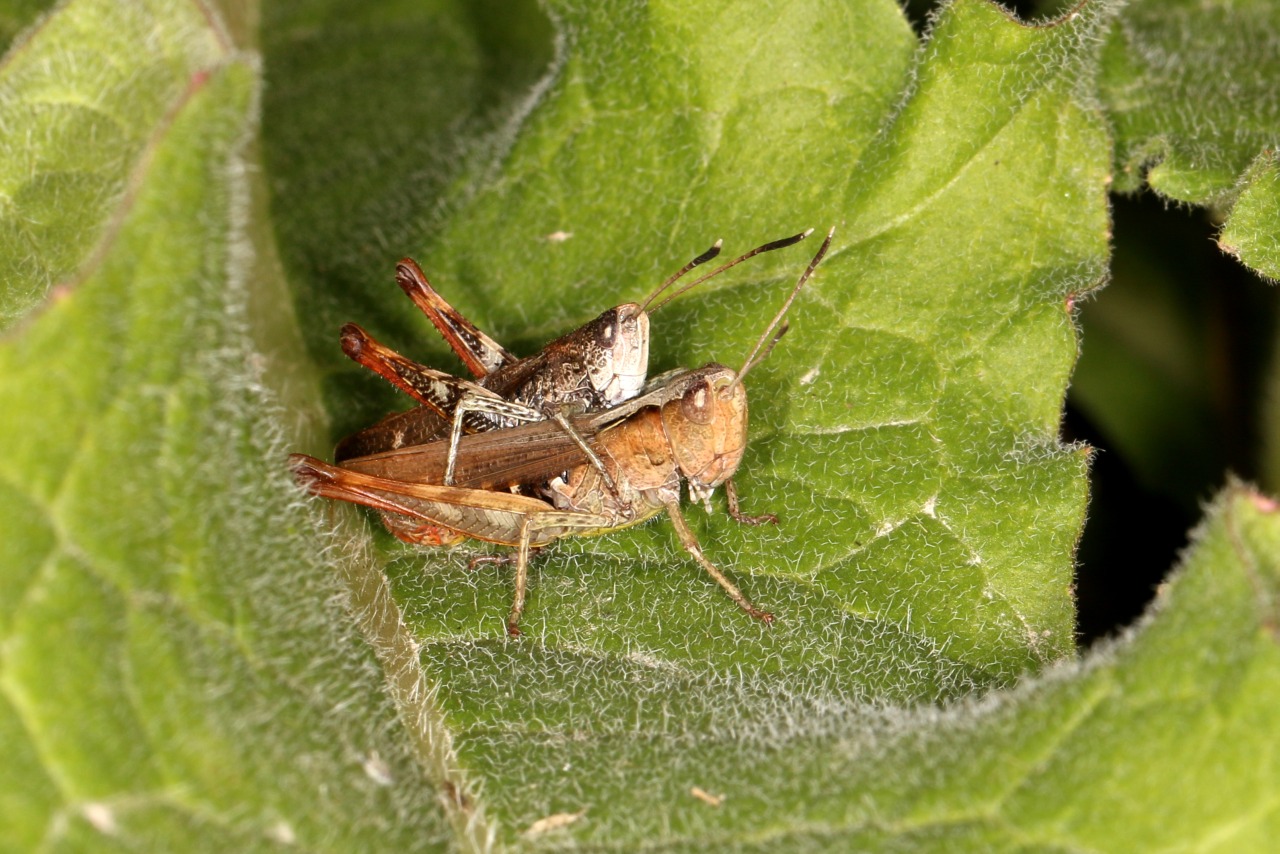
(1252,232)
(17,15)
(178,670)
(175,672)
(1189,89)
(1162,740)
(60,191)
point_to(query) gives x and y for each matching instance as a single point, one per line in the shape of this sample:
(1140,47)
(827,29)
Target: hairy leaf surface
(195,658)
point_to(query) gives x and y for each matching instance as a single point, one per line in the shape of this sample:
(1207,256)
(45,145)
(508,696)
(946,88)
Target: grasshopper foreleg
(690,543)
(560,419)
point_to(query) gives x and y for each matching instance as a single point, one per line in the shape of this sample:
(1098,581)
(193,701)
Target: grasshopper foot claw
(487,560)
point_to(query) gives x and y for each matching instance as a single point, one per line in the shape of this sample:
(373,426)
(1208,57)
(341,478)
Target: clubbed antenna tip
(767,247)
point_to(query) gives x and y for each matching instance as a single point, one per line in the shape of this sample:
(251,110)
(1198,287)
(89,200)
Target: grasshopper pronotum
(691,427)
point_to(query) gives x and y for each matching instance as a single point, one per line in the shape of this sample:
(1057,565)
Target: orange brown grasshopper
(692,426)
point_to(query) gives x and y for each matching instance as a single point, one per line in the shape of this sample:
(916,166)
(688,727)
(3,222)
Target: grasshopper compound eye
(608,331)
(698,404)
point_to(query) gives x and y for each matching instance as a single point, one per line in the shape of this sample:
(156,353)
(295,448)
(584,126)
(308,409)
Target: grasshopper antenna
(767,247)
(696,262)
(761,351)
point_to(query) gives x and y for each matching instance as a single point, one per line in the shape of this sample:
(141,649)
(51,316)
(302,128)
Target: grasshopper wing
(495,517)
(499,459)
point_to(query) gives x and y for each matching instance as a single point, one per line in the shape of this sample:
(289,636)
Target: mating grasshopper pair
(615,463)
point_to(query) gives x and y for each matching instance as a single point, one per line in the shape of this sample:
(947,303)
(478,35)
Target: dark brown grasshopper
(692,426)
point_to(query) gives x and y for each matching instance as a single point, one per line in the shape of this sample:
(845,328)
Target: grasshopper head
(621,363)
(610,354)
(707,427)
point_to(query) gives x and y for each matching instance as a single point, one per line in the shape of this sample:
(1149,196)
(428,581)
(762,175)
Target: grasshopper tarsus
(496,560)
(735,509)
(521,559)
